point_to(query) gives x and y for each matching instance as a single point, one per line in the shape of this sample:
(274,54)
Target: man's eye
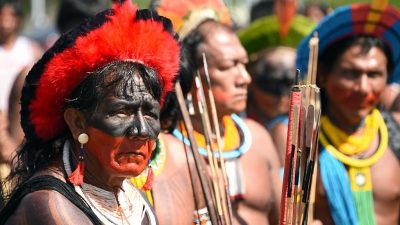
(223,68)
(349,73)
(121,115)
(374,74)
(152,115)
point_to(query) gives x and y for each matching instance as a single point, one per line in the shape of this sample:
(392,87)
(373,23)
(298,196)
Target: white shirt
(12,62)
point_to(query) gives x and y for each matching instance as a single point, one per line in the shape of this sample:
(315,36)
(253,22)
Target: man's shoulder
(257,130)
(251,122)
(174,148)
(47,207)
(262,143)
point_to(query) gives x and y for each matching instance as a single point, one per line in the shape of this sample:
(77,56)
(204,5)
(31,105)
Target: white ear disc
(83,138)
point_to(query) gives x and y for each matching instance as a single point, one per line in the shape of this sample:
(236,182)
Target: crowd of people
(174,115)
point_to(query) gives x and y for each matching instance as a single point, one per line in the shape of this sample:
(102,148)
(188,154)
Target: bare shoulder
(257,130)
(262,142)
(175,149)
(47,207)
(261,138)
(170,140)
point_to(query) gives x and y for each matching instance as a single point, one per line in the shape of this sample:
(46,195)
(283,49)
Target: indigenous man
(358,180)
(251,158)
(90,114)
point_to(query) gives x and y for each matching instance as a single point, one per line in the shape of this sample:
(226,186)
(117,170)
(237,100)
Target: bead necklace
(235,130)
(350,161)
(355,143)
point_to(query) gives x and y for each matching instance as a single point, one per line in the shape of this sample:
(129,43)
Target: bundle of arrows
(213,177)
(301,159)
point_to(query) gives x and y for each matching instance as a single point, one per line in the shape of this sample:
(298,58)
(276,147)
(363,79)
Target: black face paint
(128,110)
(276,87)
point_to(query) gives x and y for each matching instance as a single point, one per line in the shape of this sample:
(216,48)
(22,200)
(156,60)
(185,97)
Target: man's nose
(140,128)
(363,84)
(244,76)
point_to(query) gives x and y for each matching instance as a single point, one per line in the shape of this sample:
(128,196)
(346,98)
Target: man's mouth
(135,148)
(362,102)
(131,153)
(241,96)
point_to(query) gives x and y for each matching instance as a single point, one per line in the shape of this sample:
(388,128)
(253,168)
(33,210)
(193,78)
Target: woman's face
(122,130)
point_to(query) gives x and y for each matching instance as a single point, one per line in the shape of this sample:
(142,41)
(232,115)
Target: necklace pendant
(360,178)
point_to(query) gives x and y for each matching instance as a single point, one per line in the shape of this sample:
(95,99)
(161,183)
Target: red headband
(112,35)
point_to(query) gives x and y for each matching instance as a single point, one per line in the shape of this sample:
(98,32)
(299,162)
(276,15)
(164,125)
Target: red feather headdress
(113,35)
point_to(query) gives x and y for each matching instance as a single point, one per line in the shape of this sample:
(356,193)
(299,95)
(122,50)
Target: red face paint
(355,83)
(220,95)
(119,156)
(350,98)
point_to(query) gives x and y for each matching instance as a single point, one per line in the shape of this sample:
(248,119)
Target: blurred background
(41,15)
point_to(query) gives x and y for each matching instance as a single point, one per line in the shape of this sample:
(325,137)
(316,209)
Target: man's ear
(75,121)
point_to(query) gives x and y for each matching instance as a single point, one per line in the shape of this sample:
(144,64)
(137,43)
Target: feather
(285,11)
(111,36)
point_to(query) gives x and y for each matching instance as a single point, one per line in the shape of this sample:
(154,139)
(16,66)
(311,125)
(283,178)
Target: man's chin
(358,116)
(237,108)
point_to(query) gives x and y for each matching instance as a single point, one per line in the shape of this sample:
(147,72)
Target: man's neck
(346,125)
(199,127)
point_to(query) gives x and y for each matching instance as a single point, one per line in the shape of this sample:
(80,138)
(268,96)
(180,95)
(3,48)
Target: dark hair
(192,59)
(16,5)
(275,78)
(117,76)
(332,53)
(169,113)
